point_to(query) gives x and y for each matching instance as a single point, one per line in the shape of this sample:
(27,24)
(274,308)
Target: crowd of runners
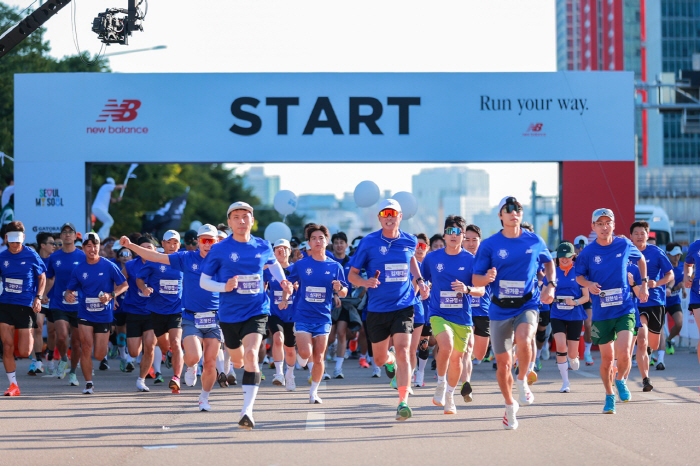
(221,299)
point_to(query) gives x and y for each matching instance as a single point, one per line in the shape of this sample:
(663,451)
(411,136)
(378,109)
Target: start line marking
(156,447)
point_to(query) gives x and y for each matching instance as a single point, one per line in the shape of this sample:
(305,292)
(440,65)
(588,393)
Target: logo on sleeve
(234,257)
(598,259)
(620,255)
(502,253)
(100,274)
(383,250)
(440,267)
(529,251)
(257,256)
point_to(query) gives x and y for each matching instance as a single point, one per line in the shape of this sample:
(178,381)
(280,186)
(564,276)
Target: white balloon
(195,225)
(277,230)
(408,203)
(285,202)
(366,194)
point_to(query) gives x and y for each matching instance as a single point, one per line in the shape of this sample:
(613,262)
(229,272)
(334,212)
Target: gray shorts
(188,329)
(502,330)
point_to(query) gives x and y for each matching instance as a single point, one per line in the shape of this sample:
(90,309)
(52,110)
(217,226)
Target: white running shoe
(525,395)
(565,388)
(326,376)
(290,383)
(73,380)
(278,380)
(450,407)
(439,397)
(38,368)
(88,390)
(338,374)
(204,405)
(315,399)
(510,422)
(191,376)
(376,372)
(141,385)
(61,371)
(420,379)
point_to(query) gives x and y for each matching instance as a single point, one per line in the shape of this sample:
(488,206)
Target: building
(263,187)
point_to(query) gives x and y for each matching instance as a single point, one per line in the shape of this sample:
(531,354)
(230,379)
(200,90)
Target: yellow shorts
(460,333)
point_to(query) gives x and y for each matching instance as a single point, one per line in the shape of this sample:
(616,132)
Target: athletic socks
(204,396)
(403,394)
(421,365)
(531,367)
(290,370)
(310,365)
(539,354)
(302,362)
(220,362)
(313,391)
(588,347)
(37,355)
(279,365)
(11,376)
(441,379)
(450,389)
(250,385)
(339,364)
(122,352)
(157,359)
(660,355)
(574,363)
(564,371)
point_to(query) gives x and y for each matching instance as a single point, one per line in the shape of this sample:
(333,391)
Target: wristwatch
(39,297)
(419,279)
(576,301)
(114,295)
(469,290)
(553,283)
(645,279)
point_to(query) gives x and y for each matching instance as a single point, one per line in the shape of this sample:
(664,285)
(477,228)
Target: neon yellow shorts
(460,333)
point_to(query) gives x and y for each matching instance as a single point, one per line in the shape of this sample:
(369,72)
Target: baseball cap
(565,249)
(68,225)
(92,236)
(208,229)
(170,234)
(603,213)
(390,204)
(78,243)
(110,180)
(282,242)
(239,205)
(581,239)
(675,251)
(222,235)
(15,237)
(304,245)
(116,246)
(652,234)
(191,236)
(507,200)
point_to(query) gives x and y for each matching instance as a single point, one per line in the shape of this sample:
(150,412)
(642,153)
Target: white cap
(170,234)
(675,251)
(222,234)
(603,213)
(281,242)
(390,204)
(505,200)
(208,229)
(15,237)
(116,246)
(110,180)
(239,205)
(579,239)
(304,245)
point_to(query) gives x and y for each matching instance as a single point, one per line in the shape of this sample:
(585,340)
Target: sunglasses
(453,231)
(388,213)
(512,207)
(125,254)
(192,242)
(421,246)
(207,241)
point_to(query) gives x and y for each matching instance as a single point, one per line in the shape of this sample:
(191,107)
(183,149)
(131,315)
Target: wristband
(419,279)
(645,279)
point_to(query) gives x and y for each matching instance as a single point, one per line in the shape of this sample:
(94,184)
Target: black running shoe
(130,367)
(231,379)
(660,367)
(168,360)
(103,365)
(647,385)
(246,423)
(223,382)
(433,365)
(466,392)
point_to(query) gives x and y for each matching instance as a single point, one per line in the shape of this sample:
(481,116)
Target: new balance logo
(125,111)
(461,268)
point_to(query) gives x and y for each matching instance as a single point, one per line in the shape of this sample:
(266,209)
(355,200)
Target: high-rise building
(264,187)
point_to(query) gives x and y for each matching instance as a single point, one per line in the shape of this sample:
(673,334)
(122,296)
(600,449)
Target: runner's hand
(286,285)
(594,288)
(232,283)
(124,242)
(424,290)
(105,298)
(70,297)
(372,283)
(147,292)
(336,301)
(630,278)
(45,300)
(643,294)
(283,305)
(547,296)
(458,286)
(36,306)
(337,286)
(491,274)
(570,302)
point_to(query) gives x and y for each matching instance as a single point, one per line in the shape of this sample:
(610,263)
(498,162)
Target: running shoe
(652,361)
(531,377)
(393,384)
(545,352)
(204,405)
(565,388)
(174,385)
(476,362)
(609,404)
(88,390)
(439,396)
(647,386)
(588,358)
(338,374)
(510,422)
(466,392)
(450,407)
(525,396)
(622,391)
(73,379)
(141,385)
(433,365)
(315,399)
(223,381)
(278,380)
(231,378)
(191,376)
(670,347)
(420,379)
(289,383)
(403,412)
(158,378)
(61,370)
(122,365)
(130,366)
(538,365)
(168,359)
(390,369)
(151,373)
(363,363)
(376,372)
(13,390)
(246,422)
(103,365)
(38,368)
(660,367)
(32,367)
(310,379)
(262,376)
(325,376)
(495,366)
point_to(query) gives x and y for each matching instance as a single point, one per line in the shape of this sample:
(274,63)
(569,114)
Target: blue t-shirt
(419,308)
(658,265)
(692,258)
(231,258)
(61,265)
(91,279)
(441,269)
(517,261)
(345,264)
(134,301)
(567,287)
(166,282)
(607,266)
(677,290)
(480,304)
(637,278)
(392,258)
(20,274)
(194,297)
(313,300)
(275,292)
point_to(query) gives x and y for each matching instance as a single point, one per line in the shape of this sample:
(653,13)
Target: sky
(230,36)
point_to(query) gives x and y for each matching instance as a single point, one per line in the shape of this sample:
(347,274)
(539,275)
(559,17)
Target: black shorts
(481,326)
(70,317)
(426,330)
(655,317)
(572,328)
(97,327)
(234,333)
(275,324)
(48,313)
(672,309)
(162,323)
(120,319)
(137,325)
(692,307)
(544,318)
(382,325)
(20,317)
(587,305)
(344,316)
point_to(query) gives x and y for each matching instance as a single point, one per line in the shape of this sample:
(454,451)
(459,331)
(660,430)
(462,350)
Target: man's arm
(147,254)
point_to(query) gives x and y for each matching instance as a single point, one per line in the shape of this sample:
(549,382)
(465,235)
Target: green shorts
(605,331)
(460,333)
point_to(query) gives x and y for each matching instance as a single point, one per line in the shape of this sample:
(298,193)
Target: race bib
(248,284)
(70,304)
(278,298)
(612,297)
(205,319)
(474,301)
(169,286)
(315,294)
(451,300)
(511,289)
(395,272)
(676,292)
(13,285)
(94,305)
(562,305)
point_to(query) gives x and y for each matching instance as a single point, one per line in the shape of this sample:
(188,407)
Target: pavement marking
(156,447)
(586,374)
(315,420)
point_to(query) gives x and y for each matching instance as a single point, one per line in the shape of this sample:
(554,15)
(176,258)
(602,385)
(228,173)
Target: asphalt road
(53,423)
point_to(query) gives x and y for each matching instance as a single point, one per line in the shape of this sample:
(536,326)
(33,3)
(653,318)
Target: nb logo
(535,127)
(125,111)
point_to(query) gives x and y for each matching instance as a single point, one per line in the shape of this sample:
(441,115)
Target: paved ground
(52,423)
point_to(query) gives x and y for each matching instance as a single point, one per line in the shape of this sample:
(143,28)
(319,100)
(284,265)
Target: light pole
(157,47)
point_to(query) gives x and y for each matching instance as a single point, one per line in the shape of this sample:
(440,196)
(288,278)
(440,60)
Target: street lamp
(157,47)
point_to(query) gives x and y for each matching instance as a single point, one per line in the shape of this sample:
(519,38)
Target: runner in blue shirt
(673,296)
(99,281)
(319,278)
(449,270)
(602,268)
(163,284)
(23,278)
(508,261)
(126,363)
(388,257)
(422,332)
(239,261)
(46,245)
(691,280)
(201,333)
(652,313)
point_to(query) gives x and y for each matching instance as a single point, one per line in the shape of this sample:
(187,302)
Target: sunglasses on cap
(453,231)
(388,213)
(421,246)
(207,241)
(512,205)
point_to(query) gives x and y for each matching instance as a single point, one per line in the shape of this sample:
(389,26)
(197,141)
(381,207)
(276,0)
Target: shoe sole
(143,390)
(468,398)
(245,424)
(648,388)
(437,404)
(450,412)
(404,415)
(609,412)
(277,383)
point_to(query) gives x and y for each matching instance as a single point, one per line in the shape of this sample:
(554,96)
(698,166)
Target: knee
(209,364)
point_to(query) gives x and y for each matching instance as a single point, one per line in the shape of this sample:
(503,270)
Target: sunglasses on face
(422,246)
(512,207)
(192,242)
(453,231)
(125,254)
(207,240)
(388,213)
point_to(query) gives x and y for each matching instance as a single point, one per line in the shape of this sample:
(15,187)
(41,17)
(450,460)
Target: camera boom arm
(17,33)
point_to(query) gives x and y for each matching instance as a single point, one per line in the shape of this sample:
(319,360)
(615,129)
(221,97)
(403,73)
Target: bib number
(248,284)
(278,298)
(562,305)
(451,300)
(94,305)
(315,294)
(474,301)
(612,297)
(205,319)
(169,286)
(13,285)
(63,301)
(511,289)
(395,272)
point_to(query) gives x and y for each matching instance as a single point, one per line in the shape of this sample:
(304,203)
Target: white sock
(531,367)
(302,362)
(220,368)
(539,354)
(339,364)
(279,365)
(157,359)
(122,352)
(129,358)
(314,388)
(228,367)
(249,394)
(310,365)
(290,370)
(11,376)
(374,364)
(139,379)
(421,365)
(660,355)
(441,379)
(204,396)
(564,371)
(364,356)
(450,389)
(588,347)
(574,363)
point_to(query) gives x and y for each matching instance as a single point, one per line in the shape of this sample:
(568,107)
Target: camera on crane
(115,25)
